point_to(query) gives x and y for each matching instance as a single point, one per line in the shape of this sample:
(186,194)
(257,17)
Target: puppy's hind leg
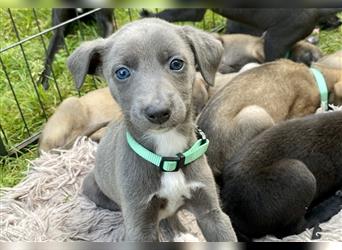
(173,230)
(93,192)
(248,123)
(230,137)
(64,125)
(252,120)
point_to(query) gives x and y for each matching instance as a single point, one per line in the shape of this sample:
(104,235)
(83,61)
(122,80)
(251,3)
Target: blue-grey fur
(123,178)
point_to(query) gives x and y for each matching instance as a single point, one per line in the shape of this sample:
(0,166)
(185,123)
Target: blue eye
(176,64)
(122,73)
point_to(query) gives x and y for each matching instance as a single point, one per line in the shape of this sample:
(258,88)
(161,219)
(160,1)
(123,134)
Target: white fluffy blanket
(47,205)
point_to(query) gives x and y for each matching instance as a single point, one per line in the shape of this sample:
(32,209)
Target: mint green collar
(322,86)
(171,164)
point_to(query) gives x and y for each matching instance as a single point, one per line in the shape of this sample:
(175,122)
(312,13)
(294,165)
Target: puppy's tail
(324,210)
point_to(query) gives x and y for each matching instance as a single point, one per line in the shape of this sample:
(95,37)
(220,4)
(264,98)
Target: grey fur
(146,46)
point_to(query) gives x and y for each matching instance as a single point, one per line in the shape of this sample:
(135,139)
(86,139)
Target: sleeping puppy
(240,49)
(74,117)
(283,180)
(256,99)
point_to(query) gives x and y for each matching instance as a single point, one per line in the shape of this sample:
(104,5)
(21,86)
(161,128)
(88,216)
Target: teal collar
(171,164)
(322,86)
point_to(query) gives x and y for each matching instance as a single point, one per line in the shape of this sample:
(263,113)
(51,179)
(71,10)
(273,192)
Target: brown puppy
(240,49)
(256,99)
(202,93)
(87,115)
(333,60)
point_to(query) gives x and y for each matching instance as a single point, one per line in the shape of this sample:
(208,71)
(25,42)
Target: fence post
(3,151)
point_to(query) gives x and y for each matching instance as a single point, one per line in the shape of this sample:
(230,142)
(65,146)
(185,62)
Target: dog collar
(171,164)
(322,86)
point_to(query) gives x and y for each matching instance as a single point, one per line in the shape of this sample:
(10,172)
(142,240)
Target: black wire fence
(10,146)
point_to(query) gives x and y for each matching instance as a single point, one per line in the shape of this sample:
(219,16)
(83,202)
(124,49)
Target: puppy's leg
(227,139)
(56,42)
(104,19)
(177,15)
(93,192)
(173,230)
(214,223)
(248,123)
(98,134)
(282,37)
(141,220)
(64,125)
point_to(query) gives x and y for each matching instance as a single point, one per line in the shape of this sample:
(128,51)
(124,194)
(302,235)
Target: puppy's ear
(338,89)
(86,59)
(207,50)
(257,50)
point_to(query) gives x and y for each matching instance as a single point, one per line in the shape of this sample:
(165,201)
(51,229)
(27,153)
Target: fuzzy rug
(47,205)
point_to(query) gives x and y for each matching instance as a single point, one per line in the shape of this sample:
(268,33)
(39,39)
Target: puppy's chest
(174,187)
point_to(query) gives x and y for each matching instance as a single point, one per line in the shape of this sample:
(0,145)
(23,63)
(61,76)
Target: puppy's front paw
(185,238)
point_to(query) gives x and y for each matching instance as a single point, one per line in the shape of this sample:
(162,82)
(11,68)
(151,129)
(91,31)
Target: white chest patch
(173,184)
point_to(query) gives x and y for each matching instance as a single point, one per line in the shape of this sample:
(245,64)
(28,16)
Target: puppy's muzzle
(157,114)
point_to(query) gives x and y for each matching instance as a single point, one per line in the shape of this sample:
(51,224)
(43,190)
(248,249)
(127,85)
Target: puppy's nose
(157,114)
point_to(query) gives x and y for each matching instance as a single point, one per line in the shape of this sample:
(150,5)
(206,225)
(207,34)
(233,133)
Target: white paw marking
(185,238)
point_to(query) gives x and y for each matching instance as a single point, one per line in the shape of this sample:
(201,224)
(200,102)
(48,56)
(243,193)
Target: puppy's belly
(174,189)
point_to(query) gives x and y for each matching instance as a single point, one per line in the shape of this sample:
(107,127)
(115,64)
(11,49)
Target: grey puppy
(150,66)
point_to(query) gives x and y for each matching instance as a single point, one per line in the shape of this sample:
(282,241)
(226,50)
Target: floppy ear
(338,89)
(208,51)
(86,59)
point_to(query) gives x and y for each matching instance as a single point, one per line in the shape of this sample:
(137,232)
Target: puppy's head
(150,66)
(239,50)
(305,52)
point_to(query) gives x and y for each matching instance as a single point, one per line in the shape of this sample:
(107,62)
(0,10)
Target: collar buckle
(172,164)
(201,135)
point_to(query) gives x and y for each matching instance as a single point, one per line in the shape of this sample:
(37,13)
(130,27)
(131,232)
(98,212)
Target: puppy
(256,99)
(284,26)
(85,116)
(103,17)
(333,60)
(150,68)
(240,49)
(281,182)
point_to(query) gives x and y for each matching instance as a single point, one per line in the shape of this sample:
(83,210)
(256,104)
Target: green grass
(11,171)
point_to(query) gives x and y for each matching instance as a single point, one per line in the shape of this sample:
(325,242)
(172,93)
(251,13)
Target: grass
(13,168)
